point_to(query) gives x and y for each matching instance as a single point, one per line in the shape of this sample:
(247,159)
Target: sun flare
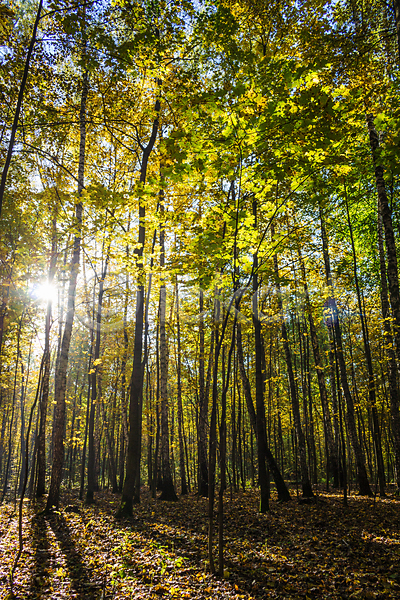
(45,292)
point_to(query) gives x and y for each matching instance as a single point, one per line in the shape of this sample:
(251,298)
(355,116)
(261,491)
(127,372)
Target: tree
(14,127)
(136,388)
(61,374)
(337,332)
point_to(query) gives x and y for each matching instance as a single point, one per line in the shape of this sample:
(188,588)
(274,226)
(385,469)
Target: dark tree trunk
(239,429)
(181,431)
(61,370)
(83,465)
(150,427)
(305,479)
(212,449)
(364,487)
(385,218)
(91,479)
(307,377)
(263,475)
(129,491)
(371,378)
(22,430)
(7,470)
(3,313)
(392,363)
(392,267)
(203,410)
(341,425)
(332,447)
(222,452)
(233,427)
(283,492)
(44,398)
(168,489)
(396,6)
(110,449)
(245,379)
(156,468)
(19,106)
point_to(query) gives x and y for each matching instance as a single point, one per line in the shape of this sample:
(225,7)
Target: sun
(44,292)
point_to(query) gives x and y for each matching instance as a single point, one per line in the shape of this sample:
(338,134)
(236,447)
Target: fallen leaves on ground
(319,550)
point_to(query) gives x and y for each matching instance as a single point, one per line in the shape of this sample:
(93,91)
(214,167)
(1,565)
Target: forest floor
(320,550)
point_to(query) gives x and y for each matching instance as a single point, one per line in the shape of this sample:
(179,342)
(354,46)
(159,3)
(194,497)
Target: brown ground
(320,550)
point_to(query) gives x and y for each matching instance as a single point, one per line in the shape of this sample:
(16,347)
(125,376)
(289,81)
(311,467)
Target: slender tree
(168,489)
(136,385)
(364,487)
(181,431)
(44,396)
(305,479)
(61,371)
(18,107)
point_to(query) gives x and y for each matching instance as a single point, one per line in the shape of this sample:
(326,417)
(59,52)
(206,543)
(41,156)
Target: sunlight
(44,292)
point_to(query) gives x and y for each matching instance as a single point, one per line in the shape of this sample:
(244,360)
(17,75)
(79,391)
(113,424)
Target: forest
(200,301)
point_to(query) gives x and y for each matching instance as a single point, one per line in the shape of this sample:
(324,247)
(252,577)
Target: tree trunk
(150,427)
(332,448)
(168,490)
(61,371)
(212,449)
(203,409)
(392,363)
(95,373)
(83,466)
(19,106)
(364,487)
(234,427)
(263,475)
(239,429)
(341,425)
(212,452)
(283,492)
(22,430)
(44,398)
(181,432)
(129,491)
(7,471)
(113,468)
(392,267)
(245,379)
(305,479)
(222,452)
(396,6)
(368,357)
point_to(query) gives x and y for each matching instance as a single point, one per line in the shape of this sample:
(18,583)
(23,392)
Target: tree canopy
(199,240)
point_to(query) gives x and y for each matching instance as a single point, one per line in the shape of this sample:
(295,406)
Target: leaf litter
(307,551)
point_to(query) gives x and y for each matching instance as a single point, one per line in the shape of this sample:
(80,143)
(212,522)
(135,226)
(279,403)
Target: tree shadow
(78,573)
(267,555)
(42,554)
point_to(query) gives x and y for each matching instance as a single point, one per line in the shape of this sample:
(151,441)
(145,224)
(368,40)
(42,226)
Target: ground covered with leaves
(320,550)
